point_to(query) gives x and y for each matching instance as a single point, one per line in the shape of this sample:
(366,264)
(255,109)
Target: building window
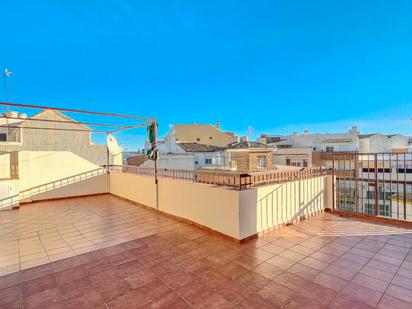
(261,161)
(208,161)
(3,137)
(210,137)
(198,139)
(403,170)
(283,146)
(329,148)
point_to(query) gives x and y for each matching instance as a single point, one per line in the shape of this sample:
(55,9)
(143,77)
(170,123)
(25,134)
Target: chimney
(217,125)
(354,130)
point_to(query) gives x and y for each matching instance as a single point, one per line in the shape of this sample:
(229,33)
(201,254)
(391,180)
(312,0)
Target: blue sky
(278,66)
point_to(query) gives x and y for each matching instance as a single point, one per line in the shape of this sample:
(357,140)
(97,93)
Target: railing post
(376,184)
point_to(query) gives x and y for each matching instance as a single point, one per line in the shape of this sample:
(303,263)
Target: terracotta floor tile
(393,303)
(177,279)
(329,281)
(370,282)
(255,301)
(113,289)
(132,299)
(71,274)
(277,294)
(362,294)
(318,293)
(291,281)
(11,294)
(344,302)
(170,300)
(214,300)
(233,270)
(39,284)
(194,291)
(340,272)
(9,280)
(91,299)
(252,281)
(43,299)
(281,262)
(303,271)
(154,290)
(405,272)
(267,270)
(35,272)
(76,288)
(140,278)
(399,292)
(121,257)
(377,273)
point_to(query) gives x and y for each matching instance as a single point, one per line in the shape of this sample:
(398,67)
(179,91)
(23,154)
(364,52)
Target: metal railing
(49,186)
(233,180)
(374,184)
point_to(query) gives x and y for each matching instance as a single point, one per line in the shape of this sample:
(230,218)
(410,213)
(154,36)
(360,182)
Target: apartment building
(68,135)
(314,149)
(192,146)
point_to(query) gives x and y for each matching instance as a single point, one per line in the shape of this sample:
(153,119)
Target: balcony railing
(238,181)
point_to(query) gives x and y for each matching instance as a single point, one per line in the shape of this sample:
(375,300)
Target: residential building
(315,149)
(377,142)
(68,135)
(190,156)
(192,146)
(250,156)
(328,142)
(204,134)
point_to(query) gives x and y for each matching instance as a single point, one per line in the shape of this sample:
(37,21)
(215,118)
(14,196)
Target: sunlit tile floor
(324,262)
(49,231)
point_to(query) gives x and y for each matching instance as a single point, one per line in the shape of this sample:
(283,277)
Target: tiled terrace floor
(323,262)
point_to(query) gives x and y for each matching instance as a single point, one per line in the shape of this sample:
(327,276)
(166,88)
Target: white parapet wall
(41,175)
(213,207)
(264,208)
(238,214)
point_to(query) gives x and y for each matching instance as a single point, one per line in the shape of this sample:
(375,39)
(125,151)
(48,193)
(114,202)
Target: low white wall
(214,207)
(9,191)
(137,188)
(93,185)
(264,208)
(40,167)
(238,214)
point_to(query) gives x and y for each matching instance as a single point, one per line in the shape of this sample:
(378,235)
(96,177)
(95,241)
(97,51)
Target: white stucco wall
(40,167)
(266,207)
(238,214)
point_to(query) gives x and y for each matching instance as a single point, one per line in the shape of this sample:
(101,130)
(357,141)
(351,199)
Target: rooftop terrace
(104,252)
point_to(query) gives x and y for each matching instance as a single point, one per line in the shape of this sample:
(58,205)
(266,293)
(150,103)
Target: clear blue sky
(278,66)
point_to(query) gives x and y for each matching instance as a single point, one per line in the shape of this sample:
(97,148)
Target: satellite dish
(113,145)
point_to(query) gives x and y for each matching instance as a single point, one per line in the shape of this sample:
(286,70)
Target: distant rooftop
(195,147)
(248,145)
